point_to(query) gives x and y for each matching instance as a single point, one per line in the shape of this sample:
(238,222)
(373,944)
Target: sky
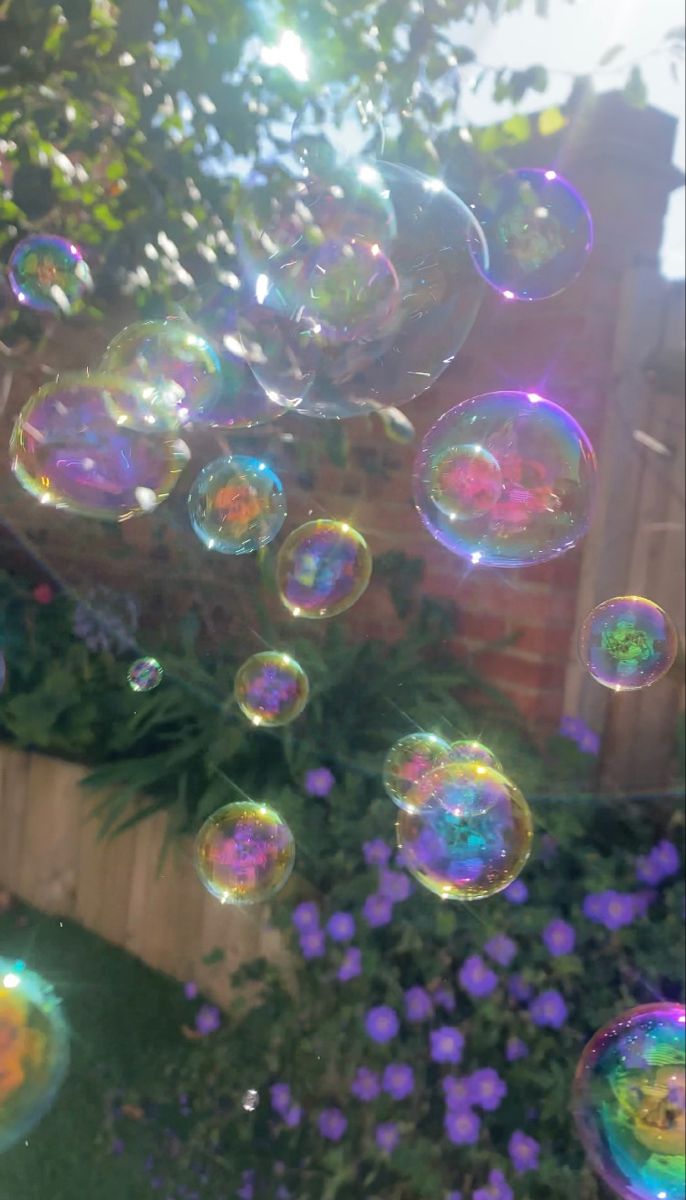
(573,39)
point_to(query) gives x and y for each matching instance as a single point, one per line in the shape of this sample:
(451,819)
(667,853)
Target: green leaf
(551,121)
(635,90)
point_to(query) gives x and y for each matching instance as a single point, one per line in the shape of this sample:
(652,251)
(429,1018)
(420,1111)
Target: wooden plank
(14,784)
(103,878)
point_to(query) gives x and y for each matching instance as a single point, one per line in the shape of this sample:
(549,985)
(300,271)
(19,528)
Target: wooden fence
(50,857)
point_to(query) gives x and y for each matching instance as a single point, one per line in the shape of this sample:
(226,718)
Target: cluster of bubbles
(628,643)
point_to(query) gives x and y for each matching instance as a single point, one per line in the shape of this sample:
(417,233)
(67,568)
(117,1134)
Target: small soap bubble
(628,643)
(34,1050)
(546,480)
(251,1100)
(48,274)
(322,569)
(236,505)
(408,759)
(67,451)
(178,370)
(145,674)
(271,688)
(466,482)
(628,1102)
(468,750)
(470,834)
(244,853)
(539,234)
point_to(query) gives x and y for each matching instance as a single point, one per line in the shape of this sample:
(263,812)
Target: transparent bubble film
(323,568)
(408,760)
(145,674)
(545,475)
(628,643)
(271,688)
(48,274)
(244,853)
(236,505)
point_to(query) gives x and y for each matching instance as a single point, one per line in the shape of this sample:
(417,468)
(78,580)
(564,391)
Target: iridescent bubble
(335,126)
(628,1102)
(178,370)
(628,643)
(241,403)
(34,1050)
(244,853)
(322,568)
(467,750)
(547,473)
(271,688)
(67,450)
(440,292)
(145,674)
(348,289)
(408,759)
(470,834)
(236,505)
(539,234)
(250,1100)
(466,482)
(48,274)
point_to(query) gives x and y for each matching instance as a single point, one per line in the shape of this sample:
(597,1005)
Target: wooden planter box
(50,857)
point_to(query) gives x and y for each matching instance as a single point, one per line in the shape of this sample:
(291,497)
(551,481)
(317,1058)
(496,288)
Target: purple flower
(447,1044)
(457,1092)
(453,1196)
(280,1094)
(611,909)
(292,1116)
(387,1136)
(578,731)
(497,1188)
(313,944)
(659,864)
(376,853)
(517,892)
(190,990)
(643,900)
(445,999)
(247,1189)
(340,927)
(382,1023)
(501,949)
(306,917)
(462,1128)
(398,1081)
(476,977)
(366,1085)
(351,965)
(377,910)
(523,1151)
(332,1124)
(394,885)
(549,1010)
(515,1049)
(519,989)
(488,1089)
(418,1004)
(319,782)
(207,1019)
(559,937)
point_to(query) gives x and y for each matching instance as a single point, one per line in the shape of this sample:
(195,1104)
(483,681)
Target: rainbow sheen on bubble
(67,451)
(145,674)
(628,1102)
(408,760)
(178,370)
(271,688)
(236,505)
(322,569)
(547,472)
(627,643)
(466,482)
(34,1050)
(539,233)
(470,834)
(244,853)
(240,403)
(348,289)
(48,274)
(469,750)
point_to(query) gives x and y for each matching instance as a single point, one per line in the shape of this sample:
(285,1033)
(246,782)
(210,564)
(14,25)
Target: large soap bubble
(469,750)
(469,834)
(628,1102)
(271,688)
(244,853)
(48,274)
(546,476)
(237,504)
(67,450)
(241,402)
(628,643)
(407,342)
(408,760)
(322,569)
(539,234)
(34,1050)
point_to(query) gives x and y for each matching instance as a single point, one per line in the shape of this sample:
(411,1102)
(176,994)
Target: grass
(125,1021)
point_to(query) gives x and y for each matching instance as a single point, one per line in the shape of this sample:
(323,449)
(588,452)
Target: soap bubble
(271,688)
(547,470)
(470,834)
(466,750)
(351,289)
(178,370)
(408,760)
(48,274)
(145,675)
(415,340)
(628,1102)
(628,643)
(250,1100)
(539,234)
(244,853)
(236,505)
(336,126)
(322,568)
(466,482)
(34,1050)
(67,451)
(241,402)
